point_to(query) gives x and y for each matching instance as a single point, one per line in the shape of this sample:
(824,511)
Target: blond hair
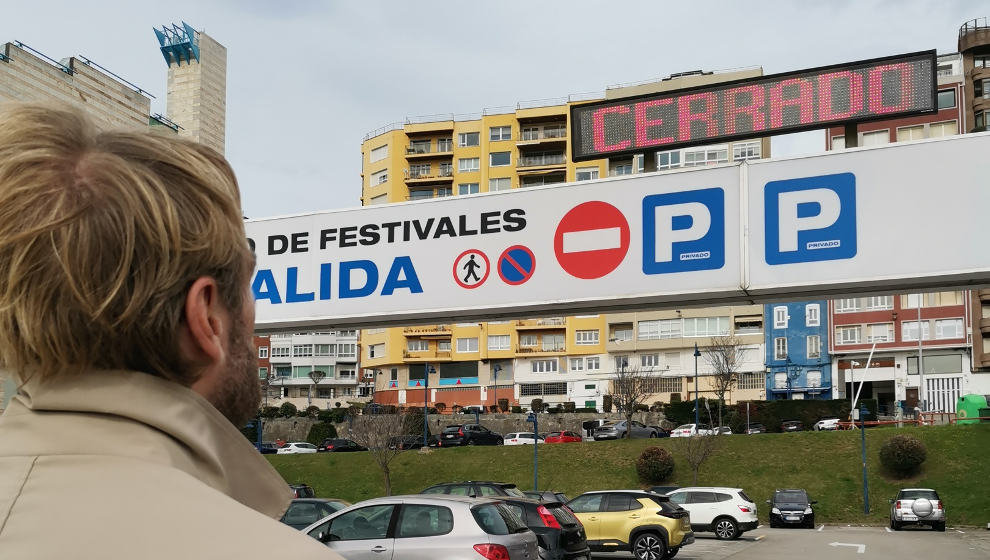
(101,235)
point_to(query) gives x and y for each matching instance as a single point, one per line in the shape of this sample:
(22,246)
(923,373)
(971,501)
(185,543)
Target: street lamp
(536,454)
(697,355)
(495,371)
(427,370)
(862,423)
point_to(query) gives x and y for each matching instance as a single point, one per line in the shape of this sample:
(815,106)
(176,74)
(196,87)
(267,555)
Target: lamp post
(536,454)
(495,371)
(866,493)
(426,403)
(697,355)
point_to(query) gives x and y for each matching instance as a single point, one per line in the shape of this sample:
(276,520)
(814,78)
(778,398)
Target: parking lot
(838,542)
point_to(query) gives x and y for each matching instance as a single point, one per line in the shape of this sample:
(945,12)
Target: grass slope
(827,464)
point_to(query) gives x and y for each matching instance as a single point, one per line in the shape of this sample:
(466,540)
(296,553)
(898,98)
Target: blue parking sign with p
(810,219)
(684,231)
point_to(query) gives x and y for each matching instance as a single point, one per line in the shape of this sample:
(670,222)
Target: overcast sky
(308,79)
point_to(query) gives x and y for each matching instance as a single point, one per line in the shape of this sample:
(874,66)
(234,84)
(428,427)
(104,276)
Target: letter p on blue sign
(810,219)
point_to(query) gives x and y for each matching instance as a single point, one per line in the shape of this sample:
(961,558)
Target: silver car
(618,431)
(917,506)
(421,527)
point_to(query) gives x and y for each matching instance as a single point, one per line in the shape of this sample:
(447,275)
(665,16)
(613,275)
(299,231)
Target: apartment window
(380,199)
(875,303)
(323,349)
(446,169)
(670,385)
(979,120)
(946,98)
(649,360)
(622,169)
(780,380)
(814,378)
(527,340)
(838,142)
(589,337)
(936,363)
(378,154)
(420,194)
(906,133)
(376,350)
(444,191)
(346,350)
(705,156)
(780,348)
(621,362)
(419,170)
(262,351)
(419,147)
(467,344)
(780,317)
(577,364)
(544,366)
(848,335)
(497,133)
(418,345)
(742,151)
(594,363)
(981,88)
(847,305)
(468,188)
(443,346)
(668,160)
(499,159)
(465,139)
(302,350)
(553,343)
(379,177)
(586,173)
(750,381)
(949,328)
(880,332)
(659,329)
(812,315)
(981,61)
(942,129)
(468,164)
(498,342)
(500,184)
(814,344)
(876,137)
(301,371)
(281,351)
(706,326)
(673,359)
(262,373)
(444,144)
(621,334)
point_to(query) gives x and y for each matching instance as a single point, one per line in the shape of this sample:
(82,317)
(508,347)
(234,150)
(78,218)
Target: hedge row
(768,413)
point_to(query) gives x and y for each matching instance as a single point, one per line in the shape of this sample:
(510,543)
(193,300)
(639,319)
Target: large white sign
(904,216)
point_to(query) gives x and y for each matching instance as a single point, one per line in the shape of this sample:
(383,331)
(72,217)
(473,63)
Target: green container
(985,414)
(968,408)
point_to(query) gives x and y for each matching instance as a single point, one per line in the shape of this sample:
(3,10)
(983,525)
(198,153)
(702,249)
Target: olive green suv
(643,523)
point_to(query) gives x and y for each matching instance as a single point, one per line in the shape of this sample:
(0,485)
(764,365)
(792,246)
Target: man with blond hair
(125,320)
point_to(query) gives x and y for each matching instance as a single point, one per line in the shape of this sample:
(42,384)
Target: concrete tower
(197,83)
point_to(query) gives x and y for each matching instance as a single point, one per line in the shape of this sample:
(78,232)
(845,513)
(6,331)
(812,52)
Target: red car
(562,437)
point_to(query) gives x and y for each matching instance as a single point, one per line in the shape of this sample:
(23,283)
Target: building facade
(798,363)
(309,369)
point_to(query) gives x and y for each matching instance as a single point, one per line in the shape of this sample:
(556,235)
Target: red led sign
(808,99)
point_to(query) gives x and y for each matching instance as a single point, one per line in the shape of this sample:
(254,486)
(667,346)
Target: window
(302,350)
(936,363)
(586,173)
(906,133)
(376,350)
(378,154)
(848,335)
(621,362)
(419,147)
(544,366)
(838,142)
(780,348)
(659,329)
(814,378)
(668,160)
(443,346)
(301,371)
(981,88)
(751,381)
(443,191)
(876,138)
(444,144)
(417,345)
(323,349)
(379,177)
(346,350)
(673,359)
(446,169)
(812,315)
(527,340)
(875,303)
(497,133)
(586,338)
(467,188)
(814,343)
(420,194)
(262,373)
(706,326)
(780,380)
(380,199)
(498,342)
(593,363)
(577,364)
(705,156)
(949,328)
(281,351)
(417,170)
(262,351)
(468,164)
(500,184)
(880,332)
(939,130)
(553,343)
(670,385)
(979,120)
(742,151)
(587,504)
(499,159)
(361,524)
(621,334)
(622,169)
(467,344)
(780,317)
(847,305)
(981,61)
(909,330)
(465,139)
(424,521)
(649,360)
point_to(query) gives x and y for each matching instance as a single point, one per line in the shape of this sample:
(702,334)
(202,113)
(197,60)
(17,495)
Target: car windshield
(684,427)
(791,497)
(513,491)
(917,494)
(496,519)
(451,429)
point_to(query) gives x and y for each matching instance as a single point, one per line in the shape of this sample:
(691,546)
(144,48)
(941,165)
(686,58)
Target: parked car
(826,424)
(547,496)
(646,524)
(791,507)
(917,506)
(302,491)
(303,512)
(660,431)
(727,512)
(268,448)
(521,438)
(663,490)
(618,431)
(475,488)
(406,442)
(559,533)
(296,447)
(339,446)
(468,434)
(563,437)
(755,428)
(427,527)
(724,431)
(792,426)
(688,430)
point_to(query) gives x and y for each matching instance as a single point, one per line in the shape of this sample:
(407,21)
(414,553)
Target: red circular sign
(466,265)
(591,240)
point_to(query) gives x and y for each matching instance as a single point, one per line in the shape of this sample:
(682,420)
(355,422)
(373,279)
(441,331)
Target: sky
(306,80)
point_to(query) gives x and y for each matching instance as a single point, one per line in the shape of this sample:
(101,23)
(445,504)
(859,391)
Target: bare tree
(725,356)
(630,388)
(316,376)
(698,448)
(376,432)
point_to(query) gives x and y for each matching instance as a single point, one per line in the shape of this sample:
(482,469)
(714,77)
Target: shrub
(607,403)
(536,405)
(312,411)
(592,410)
(640,407)
(656,407)
(412,421)
(321,431)
(516,409)
(655,465)
(441,407)
(570,406)
(269,412)
(503,405)
(902,455)
(287,410)
(456,408)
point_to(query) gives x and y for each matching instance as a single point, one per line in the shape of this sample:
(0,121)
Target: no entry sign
(591,240)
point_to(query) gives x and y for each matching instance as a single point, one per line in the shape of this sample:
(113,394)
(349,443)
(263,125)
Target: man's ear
(205,321)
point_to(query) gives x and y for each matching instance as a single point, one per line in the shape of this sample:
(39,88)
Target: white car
(296,448)
(688,430)
(826,424)
(727,512)
(520,438)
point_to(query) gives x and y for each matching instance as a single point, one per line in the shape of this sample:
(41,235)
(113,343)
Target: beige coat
(125,465)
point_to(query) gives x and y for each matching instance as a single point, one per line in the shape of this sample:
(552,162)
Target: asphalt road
(837,543)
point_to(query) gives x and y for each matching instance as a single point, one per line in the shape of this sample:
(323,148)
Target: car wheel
(810,523)
(726,529)
(470,442)
(673,552)
(499,442)
(773,524)
(649,546)
(895,525)
(939,526)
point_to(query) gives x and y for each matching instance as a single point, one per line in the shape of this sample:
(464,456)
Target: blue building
(798,362)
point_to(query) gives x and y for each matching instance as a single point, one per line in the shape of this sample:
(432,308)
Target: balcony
(428,331)
(426,355)
(985,326)
(985,296)
(444,174)
(552,349)
(420,152)
(548,323)
(539,136)
(974,33)
(542,160)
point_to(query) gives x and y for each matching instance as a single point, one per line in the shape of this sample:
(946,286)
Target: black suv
(468,434)
(559,533)
(791,507)
(339,446)
(475,488)
(302,491)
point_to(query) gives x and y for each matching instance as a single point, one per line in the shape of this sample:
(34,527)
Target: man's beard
(239,395)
